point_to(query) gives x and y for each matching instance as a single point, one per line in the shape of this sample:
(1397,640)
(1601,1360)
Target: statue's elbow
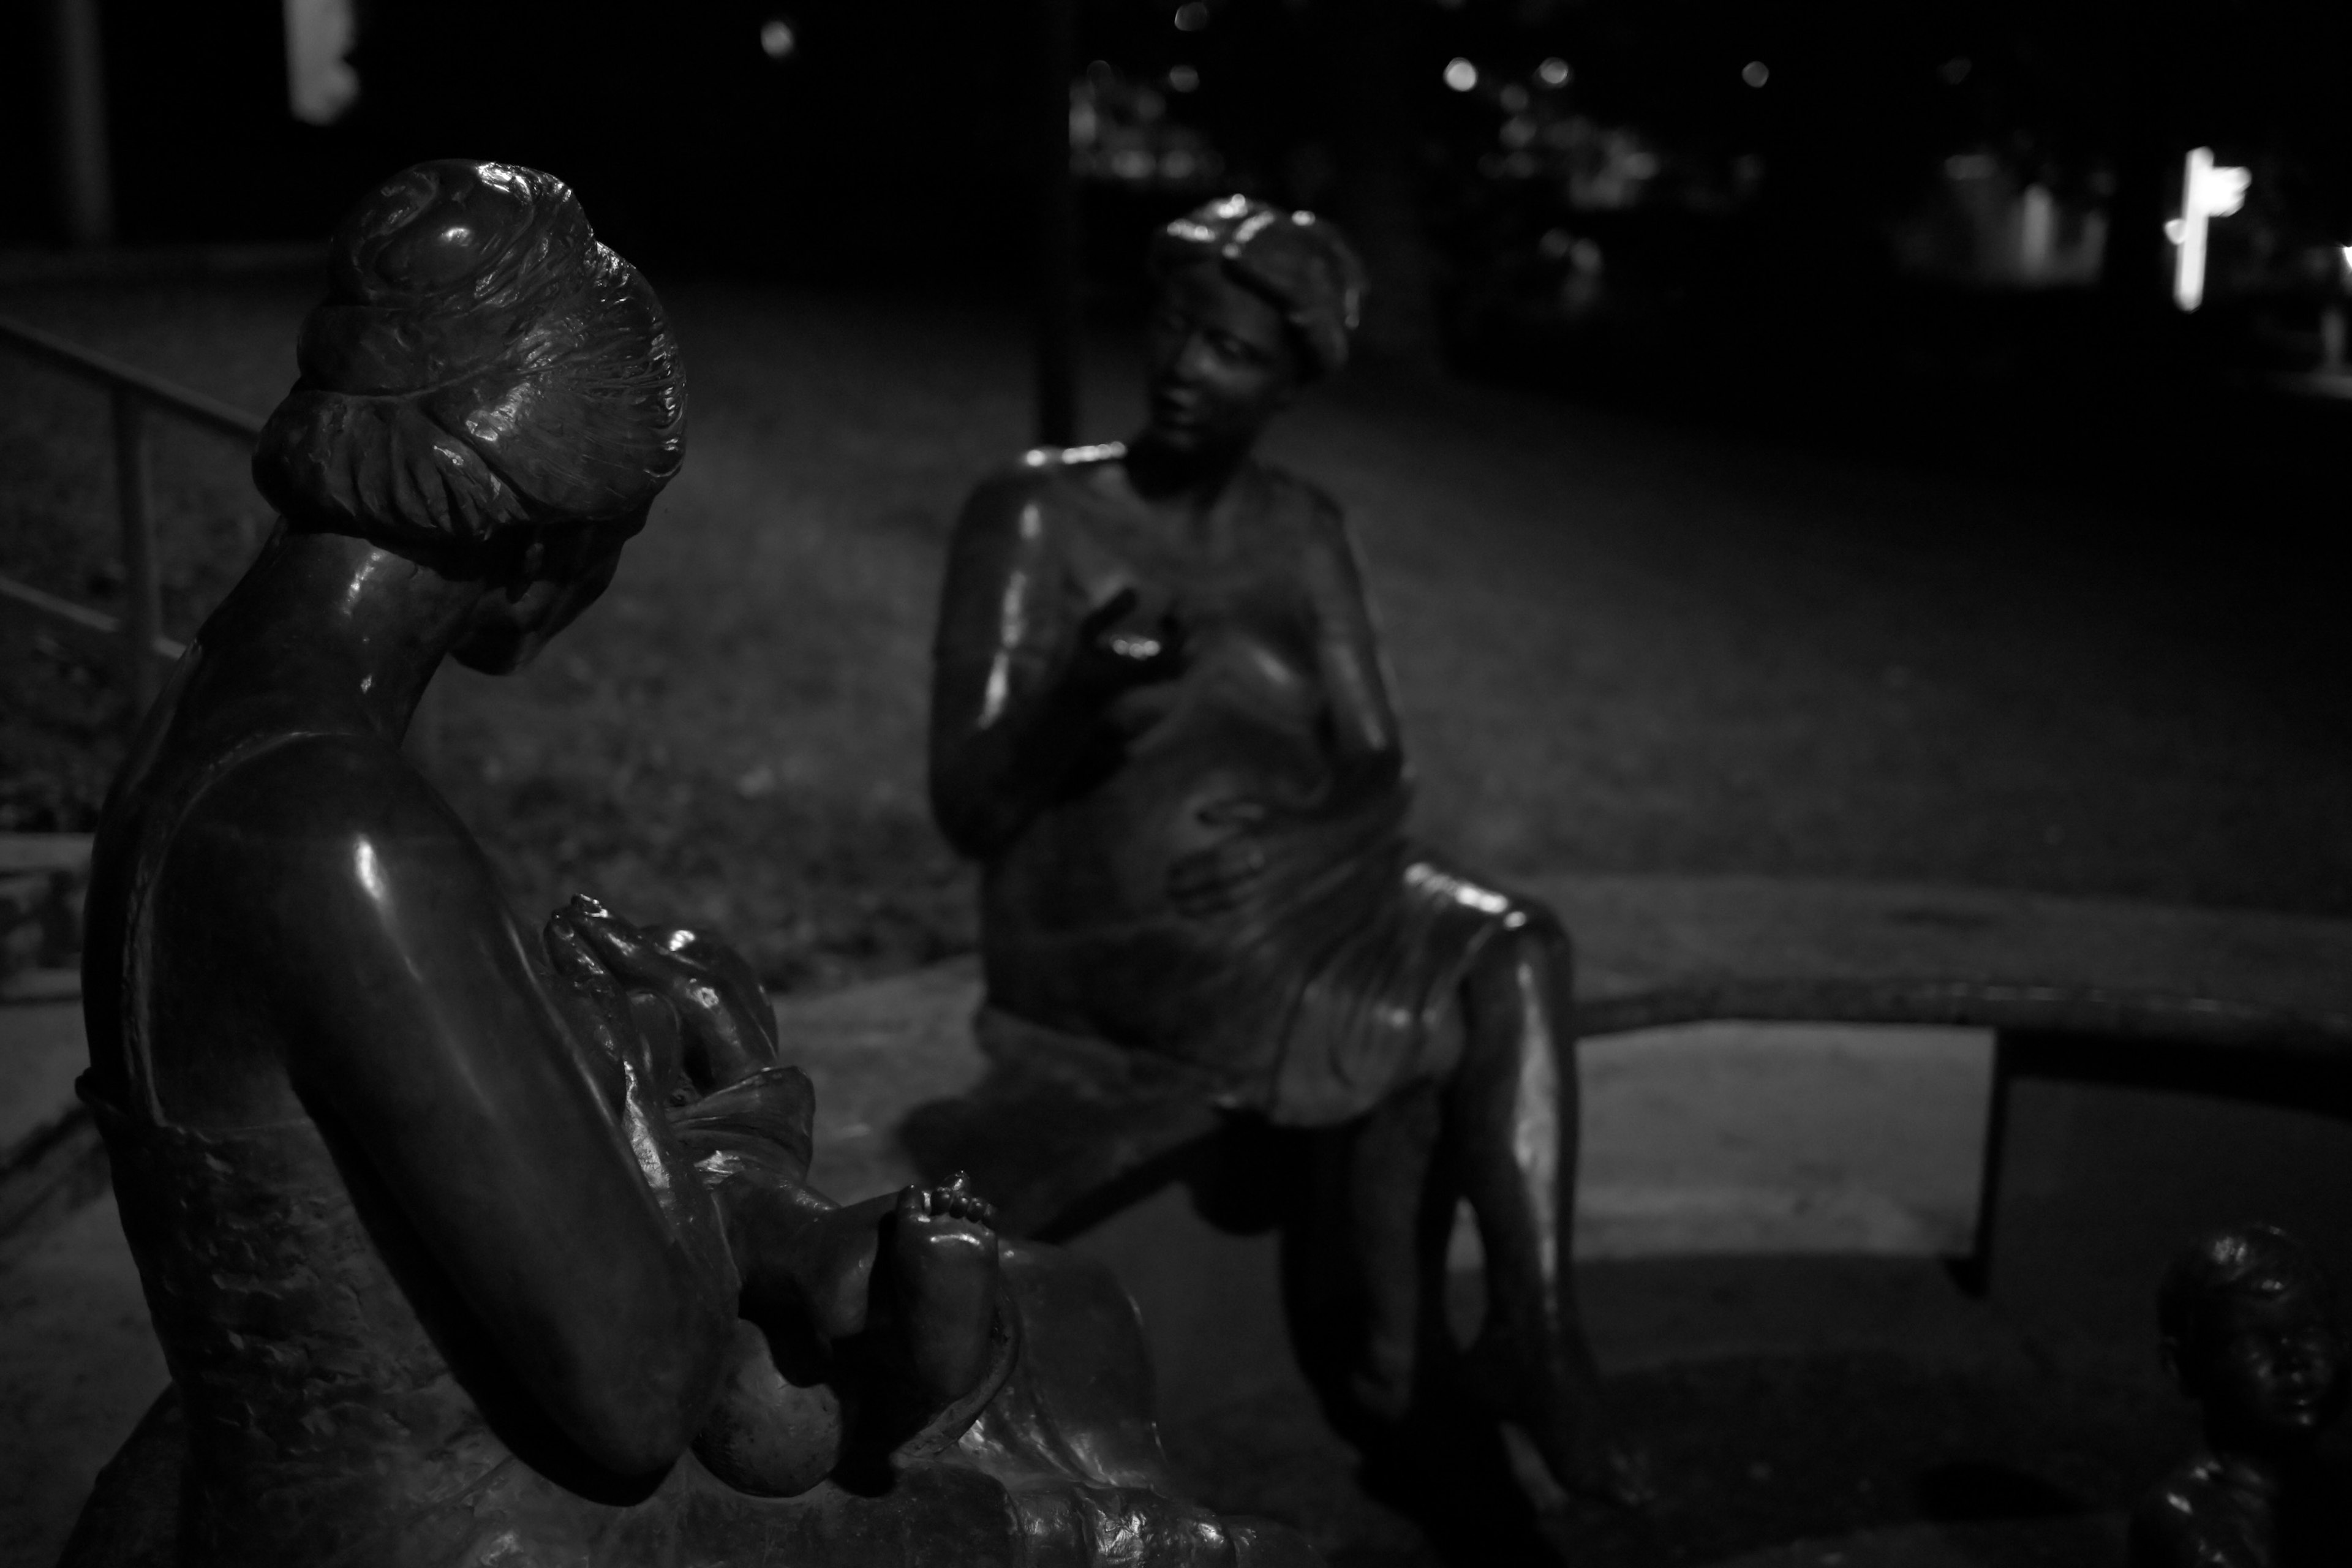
(974,824)
(642,1439)
(638,1424)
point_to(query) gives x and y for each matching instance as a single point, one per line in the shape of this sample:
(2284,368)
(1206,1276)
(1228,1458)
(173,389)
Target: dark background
(889,137)
(1759,278)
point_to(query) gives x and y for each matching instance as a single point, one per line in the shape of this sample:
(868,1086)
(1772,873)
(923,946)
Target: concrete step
(78,1366)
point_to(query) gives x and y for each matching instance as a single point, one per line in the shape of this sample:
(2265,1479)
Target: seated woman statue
(464,1250)
(2249,1327)
(1160,720)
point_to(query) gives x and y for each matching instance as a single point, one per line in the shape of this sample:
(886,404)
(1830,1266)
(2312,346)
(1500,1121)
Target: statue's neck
(1186,484)
(329,631)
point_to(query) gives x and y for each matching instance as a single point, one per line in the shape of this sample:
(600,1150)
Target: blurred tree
(1364,51)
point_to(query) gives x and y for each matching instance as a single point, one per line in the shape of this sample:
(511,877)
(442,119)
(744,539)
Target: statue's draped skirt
(1335,989)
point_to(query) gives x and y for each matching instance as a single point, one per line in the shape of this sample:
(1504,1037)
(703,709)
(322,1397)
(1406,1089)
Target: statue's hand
(730,1031)
(1115,653)
(943,1280)
(1215,879)
(600,1007)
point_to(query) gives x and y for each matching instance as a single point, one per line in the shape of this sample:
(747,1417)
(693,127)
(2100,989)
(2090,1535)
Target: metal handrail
(194,406)
(133,392)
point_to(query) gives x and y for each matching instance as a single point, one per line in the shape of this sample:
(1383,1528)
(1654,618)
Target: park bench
(2093,988)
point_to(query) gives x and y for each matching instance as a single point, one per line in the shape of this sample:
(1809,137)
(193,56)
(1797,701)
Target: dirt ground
(1619,643)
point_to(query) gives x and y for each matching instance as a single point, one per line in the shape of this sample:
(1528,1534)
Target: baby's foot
(943,1262)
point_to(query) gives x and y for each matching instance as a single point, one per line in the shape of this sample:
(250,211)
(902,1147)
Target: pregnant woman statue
(1160,720)
(466,1249)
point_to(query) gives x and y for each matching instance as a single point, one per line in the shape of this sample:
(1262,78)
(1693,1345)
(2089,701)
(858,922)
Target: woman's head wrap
(1294,259)
(479,361)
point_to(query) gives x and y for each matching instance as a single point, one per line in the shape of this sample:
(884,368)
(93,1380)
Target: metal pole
(84,179)
(1057,276)
(142,611)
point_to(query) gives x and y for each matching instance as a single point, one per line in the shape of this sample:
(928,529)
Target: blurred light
(1461,74)
(1756,73)
(1518,132)
(1970,166)
(1954,70)
(1555,244)
(319,82)
(1191,18)
(1554,72)
(1514,97)
(776,39)
(2208,190)
(1183,78)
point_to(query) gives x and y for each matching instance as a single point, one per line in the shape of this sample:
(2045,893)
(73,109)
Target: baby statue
(2249,1327)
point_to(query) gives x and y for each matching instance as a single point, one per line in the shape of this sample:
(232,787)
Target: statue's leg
(1512,1113)
(1392,1169)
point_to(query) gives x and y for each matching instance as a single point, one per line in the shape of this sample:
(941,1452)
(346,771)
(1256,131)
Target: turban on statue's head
(480,359)
(1294,259)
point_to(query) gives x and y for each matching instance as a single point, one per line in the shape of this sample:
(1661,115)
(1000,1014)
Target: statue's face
(1222,362)
(559,572)
(2273,1366)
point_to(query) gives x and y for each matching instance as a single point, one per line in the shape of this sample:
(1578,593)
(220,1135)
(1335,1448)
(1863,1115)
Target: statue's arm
(535,1166)
(1008,724)
(1369,751)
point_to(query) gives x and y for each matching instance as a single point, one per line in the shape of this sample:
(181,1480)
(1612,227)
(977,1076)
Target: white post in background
(2208,190)
(84,179)
(2331,319)
(2037,233)
(319,82)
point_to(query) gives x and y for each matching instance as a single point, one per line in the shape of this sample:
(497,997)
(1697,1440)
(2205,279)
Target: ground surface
(1778,1401)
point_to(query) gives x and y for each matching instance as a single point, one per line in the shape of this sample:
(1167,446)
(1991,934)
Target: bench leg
(1974,1271)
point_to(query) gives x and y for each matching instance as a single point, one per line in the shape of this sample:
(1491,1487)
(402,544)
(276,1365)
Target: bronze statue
(458,1243)
(1159,721)
(2249,1327)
